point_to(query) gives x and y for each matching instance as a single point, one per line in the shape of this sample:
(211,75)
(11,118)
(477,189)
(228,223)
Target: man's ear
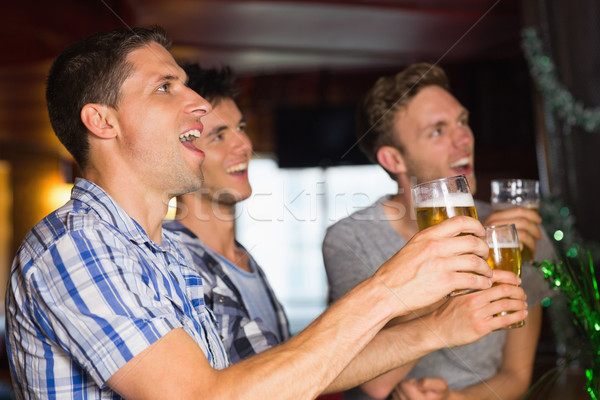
(99,118)
(391,159)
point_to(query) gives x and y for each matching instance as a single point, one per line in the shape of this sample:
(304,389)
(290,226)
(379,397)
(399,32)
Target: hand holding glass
(504,253)
(436,201)
(507,193)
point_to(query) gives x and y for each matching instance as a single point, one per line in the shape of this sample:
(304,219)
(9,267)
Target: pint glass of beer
(507,193)
(441,199)
(504,253)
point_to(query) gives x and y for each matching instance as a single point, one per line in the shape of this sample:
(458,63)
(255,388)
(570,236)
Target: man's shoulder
(62,223)
(185,236)
(360,220)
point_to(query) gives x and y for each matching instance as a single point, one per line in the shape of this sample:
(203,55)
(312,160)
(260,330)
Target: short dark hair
(91,71)
(214,84)
(375,117)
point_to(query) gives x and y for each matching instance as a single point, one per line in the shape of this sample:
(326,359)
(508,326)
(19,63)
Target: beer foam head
(503,205)
(449,200)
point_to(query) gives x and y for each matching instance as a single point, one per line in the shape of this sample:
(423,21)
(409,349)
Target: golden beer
(432,212)
(429,216)
(505,258)
(504,255)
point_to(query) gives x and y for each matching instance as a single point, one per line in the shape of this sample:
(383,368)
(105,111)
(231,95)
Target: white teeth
(189,135)
(237,168)
(460,163)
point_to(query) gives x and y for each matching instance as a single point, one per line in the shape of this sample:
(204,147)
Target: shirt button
(80,212)
(221,299)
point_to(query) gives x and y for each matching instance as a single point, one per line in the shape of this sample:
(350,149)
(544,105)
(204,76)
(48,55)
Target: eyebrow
(168,78)
(464,113)
(433,125)
(221,128)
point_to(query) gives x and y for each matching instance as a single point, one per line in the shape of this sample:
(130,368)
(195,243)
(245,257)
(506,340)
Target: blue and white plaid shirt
(89,290)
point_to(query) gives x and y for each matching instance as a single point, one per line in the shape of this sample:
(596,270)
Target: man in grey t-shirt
(417,131)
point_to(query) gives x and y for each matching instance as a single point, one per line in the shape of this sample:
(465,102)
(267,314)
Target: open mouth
(238,168)
(461,166)
(188,138)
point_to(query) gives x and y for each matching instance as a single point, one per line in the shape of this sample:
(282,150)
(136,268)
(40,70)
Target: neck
(146,207)
(399,210)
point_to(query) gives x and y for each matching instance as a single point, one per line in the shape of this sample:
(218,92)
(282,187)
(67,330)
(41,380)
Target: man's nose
(462,135)
(197,104)
(242,142)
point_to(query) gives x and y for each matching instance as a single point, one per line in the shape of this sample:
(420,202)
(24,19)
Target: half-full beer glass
(504,253)
(436,201)
(507,193)
(441,199)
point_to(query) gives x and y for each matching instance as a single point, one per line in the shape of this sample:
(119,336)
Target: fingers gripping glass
(436,201)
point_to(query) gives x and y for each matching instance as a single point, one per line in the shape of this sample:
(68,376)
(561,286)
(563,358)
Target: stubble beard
(189,187)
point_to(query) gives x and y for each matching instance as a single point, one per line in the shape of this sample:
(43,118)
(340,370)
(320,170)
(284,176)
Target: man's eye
(164,88)
(437,132)
(241,128)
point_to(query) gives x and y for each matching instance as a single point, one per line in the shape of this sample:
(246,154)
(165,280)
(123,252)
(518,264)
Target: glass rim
(501,226)
(441,180)
(505,180)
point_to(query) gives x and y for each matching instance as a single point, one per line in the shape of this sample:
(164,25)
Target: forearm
(393,348)
(424,271)
(456,322)
(320,352)
(505,385)
(382,386)
(303,367)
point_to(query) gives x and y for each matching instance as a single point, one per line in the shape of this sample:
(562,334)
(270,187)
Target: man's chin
(228,198)
(191,187)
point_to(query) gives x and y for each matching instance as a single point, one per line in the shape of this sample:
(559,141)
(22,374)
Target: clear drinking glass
(438,200)
(507,193)
(504,253)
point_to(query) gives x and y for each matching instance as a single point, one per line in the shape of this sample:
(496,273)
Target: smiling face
(157,118)
(227,151)
(436,138)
